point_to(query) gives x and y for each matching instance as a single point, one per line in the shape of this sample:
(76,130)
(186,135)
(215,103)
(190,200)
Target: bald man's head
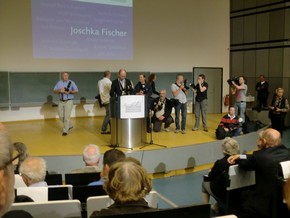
(271,138)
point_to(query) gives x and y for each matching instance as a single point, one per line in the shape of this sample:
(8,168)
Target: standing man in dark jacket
(121,85)
(263,92)
(264,201)
(162,108)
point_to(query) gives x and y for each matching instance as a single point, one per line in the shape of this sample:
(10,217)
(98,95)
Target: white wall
(169,36)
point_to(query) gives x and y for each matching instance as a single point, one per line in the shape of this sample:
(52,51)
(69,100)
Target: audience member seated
(127,184)
(162,108)
(33,171)
(215,183)
(7,175)
(6,172)
(91,157)
(265,199)
(111,156)
(287,193)
(229,125)
(22,150)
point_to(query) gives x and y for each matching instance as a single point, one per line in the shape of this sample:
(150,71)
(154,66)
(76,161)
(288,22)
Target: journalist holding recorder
(66,89)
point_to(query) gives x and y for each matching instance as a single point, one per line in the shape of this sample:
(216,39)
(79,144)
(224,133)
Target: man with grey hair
(33,172)
(91,157)
(66,89)
(162,108)
(6,172)
(265,162)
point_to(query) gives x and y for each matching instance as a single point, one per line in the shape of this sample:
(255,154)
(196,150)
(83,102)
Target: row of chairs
(72,178)
(61,192)
(72,208)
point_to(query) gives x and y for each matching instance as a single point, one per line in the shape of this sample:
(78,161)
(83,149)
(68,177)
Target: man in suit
(262,89)
(121,85)
(265,200)
(162,108)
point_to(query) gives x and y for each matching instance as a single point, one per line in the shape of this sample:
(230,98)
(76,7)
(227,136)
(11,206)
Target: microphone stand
(151,135)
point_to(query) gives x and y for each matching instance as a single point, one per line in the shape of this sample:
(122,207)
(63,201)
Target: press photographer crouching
(162,108)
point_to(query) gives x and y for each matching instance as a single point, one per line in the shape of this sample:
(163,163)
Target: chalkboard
(34,88)
(31,89)
(87,83)
(4,89)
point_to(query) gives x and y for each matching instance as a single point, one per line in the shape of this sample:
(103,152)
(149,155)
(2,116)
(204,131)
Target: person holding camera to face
(162,108)
(144,88)
(66,89)
(278,110)
(201,102)
(240,90)
(179,92)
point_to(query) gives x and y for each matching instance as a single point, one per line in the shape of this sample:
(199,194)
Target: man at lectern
(121,85)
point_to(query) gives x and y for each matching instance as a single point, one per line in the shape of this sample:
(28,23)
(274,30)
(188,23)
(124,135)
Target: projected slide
(82,29)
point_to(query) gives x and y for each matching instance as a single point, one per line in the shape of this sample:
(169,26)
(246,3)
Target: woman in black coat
(278,110)
(215,183)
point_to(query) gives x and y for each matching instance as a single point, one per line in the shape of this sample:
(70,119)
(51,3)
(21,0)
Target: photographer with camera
(239,88)
(162,108)
(66,89)
(179,92)
(201,102)
(278,110)
(144,88)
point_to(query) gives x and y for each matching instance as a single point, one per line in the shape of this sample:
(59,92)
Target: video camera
(235,79)
(190,85)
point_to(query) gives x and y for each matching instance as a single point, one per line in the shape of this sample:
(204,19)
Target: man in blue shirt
(110,157)
(66,89)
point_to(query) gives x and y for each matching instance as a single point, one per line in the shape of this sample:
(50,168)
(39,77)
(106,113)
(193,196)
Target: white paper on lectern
(132,106)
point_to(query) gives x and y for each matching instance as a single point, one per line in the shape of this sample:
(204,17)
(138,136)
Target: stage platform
(63,153)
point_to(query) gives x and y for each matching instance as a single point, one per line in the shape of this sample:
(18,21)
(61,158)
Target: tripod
(151,134)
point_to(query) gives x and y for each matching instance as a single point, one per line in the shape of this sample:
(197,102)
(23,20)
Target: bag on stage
(98,97)
(220,133)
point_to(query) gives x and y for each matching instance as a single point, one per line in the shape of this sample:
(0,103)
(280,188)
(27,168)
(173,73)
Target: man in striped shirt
(230,123)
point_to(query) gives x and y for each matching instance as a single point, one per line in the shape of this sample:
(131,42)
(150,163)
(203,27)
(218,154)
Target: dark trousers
(158,123)
(262,101)
(277,121)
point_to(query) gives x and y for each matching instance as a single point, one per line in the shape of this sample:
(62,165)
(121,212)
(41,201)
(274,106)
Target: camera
(68,86)
(189,85)
(235,79)
(144,89)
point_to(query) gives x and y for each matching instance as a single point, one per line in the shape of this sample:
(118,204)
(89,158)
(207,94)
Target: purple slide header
(66,29)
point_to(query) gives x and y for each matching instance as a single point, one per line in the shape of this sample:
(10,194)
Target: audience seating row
(72,178)
(72,208)
(62,192)
(75,179)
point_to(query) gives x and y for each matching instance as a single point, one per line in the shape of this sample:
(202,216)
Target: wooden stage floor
(44,137)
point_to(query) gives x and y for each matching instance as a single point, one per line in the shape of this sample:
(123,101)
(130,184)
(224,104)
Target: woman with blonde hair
(127,184)
(278,109)
(215,183)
